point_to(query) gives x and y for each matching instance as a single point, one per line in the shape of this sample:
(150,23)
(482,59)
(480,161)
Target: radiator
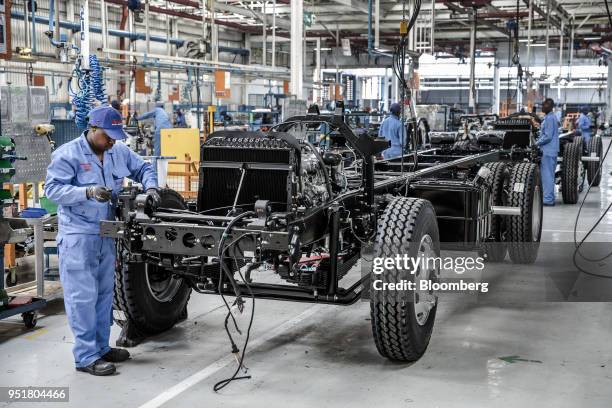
(268,164)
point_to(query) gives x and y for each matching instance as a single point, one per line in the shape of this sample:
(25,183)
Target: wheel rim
(162,288)
(424,300)
(536,216)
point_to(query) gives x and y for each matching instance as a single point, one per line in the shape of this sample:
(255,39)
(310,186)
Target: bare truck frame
(306,214)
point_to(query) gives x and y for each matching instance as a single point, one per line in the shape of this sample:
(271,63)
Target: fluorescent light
(592,38)
(325,49)
(538,45)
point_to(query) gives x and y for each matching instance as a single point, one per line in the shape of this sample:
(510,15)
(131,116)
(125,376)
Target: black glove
(154,194)
(99,193)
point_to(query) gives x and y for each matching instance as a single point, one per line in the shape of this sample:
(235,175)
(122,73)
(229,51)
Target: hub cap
(425,300)
(536,215)
(162,285)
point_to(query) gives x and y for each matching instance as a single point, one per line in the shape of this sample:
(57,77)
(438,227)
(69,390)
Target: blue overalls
(162,121)
(392,130)
(584,125)
(86,260)
(549,144)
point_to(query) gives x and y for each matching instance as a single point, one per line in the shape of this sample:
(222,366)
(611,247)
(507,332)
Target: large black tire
(149,295)
(579,141)
(463,146)
(400,326)
(570,172)
(525,230)
(595,148)
(499,180)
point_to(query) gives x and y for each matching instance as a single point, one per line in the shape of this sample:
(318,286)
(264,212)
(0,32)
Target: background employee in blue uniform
(393,130)
(584,125)
(162,121)
(548,142)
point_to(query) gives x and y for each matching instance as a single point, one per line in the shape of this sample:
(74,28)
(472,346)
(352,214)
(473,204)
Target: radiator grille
(221,161)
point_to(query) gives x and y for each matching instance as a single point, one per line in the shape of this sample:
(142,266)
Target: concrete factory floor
(304,355)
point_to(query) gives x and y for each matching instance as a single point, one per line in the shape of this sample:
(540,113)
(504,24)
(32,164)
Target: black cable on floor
(223,383)
(579,245)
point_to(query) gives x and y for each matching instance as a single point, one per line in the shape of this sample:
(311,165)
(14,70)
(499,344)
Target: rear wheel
(152,297)
(525,230)
(595,149)
(570,171)
(495,250)
(402,321)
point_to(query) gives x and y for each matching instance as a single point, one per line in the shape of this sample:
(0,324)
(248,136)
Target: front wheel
(402,321)
(152,297)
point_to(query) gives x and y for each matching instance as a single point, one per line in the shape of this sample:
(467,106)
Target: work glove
(154,194)
(99,193)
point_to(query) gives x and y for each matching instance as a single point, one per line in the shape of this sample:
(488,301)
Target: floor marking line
(577,232)
(36,334)
(207,371)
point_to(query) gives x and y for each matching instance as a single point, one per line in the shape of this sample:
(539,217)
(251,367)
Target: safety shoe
(116,355)
(99,367)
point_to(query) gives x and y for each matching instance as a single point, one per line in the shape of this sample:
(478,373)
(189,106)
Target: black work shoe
(99,367)
(116,355)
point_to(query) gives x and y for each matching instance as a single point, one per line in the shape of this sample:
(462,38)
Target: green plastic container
(48,205)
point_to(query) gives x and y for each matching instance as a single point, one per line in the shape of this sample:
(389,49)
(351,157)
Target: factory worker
(84,178)
(162,121)
(393,130)
(583,124)
(548,142)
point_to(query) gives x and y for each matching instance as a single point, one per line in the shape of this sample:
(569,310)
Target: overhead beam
(543,14)
(358,5)
(280,23)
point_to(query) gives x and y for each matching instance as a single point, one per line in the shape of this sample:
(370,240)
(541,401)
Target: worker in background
(558,114)
(71,113)
(548,142)
(84,178)
(116,104)
(179,121)
(162,121)
(394,131)
(583,124)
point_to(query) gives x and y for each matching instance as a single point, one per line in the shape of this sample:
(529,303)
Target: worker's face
(546,107)
(99,140)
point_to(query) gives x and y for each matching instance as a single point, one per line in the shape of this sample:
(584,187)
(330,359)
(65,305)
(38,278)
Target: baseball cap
(395,108)
(107,118)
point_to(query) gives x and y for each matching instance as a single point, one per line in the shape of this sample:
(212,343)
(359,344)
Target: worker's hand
(99,193)
(154,194)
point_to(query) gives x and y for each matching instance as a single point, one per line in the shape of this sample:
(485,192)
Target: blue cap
(108,118)
(395,108)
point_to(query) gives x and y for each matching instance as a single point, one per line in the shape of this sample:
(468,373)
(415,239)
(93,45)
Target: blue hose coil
(89,88)
(97,79)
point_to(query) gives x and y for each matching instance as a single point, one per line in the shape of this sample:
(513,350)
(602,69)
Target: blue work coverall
(584,125)
(86,260)
(392,130)
(548,142)
(162,121)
